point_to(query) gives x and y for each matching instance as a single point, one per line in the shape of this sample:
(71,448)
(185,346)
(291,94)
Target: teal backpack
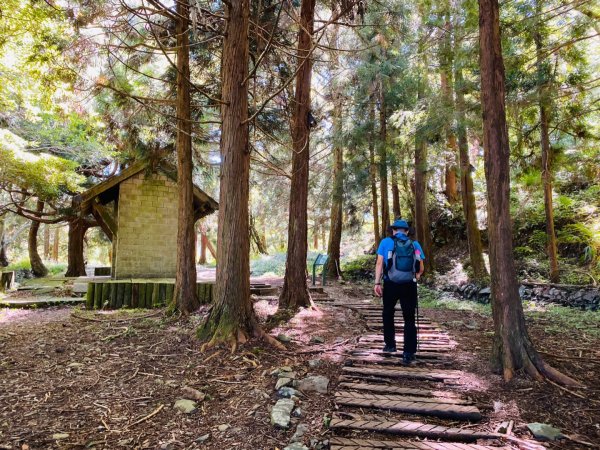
(400,267)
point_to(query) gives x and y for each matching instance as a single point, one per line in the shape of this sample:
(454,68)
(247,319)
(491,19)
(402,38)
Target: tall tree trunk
(3,255)
(55,244)
(203,238)
(383,176)
(373,173)
(37,265)
(547,172)
(421,168)
(337,192)
(256,237)
(75,258)
(316,235)
(446,59)
(46,241)
(395,193)
(232,317)
(295,287)
(466,182)
(184,296)
(512,349)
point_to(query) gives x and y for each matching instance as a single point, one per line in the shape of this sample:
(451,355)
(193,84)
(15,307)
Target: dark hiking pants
(407,294)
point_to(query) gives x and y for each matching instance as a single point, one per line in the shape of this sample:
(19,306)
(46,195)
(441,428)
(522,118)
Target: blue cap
(400,223)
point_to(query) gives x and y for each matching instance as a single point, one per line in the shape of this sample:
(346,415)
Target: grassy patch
(430,298)
(563,319)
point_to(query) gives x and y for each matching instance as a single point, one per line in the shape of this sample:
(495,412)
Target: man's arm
(378,273)
(421,269)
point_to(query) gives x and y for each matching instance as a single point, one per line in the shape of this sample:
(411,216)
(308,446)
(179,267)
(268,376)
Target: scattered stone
(203,438)
(59,436)
(281,382)
(291,375)
(285,369)
(317,340)
(544,432)
(280,413)
(194,393)
(172,383)
(75,365)
(485,291)
(296,446)
(301,430)
(186,406)
(315,383)
(315,363)
(286,392)
(472,325)
(297,412)
(284,338)
(223,427)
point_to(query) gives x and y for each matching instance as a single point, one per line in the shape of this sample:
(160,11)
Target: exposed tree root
(220,328)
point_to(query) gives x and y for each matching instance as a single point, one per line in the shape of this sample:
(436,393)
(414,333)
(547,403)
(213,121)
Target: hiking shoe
(407,358)
(389,349)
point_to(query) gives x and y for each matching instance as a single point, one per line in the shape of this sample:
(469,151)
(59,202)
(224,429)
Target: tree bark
(547,171)
(203,238)
(395,194)
(295,287)
(3,256)
(75,258)
(55,244)
(316,235)
(383,177)
(337,193)
(256,237)
(373,173)
(232,317)
(184,295)
(37,265)
(46,241)
(512,349)
(466,182)
(421,209)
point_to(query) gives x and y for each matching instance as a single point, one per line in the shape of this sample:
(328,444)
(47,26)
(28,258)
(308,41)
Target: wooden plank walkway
(339,443)
(374,381)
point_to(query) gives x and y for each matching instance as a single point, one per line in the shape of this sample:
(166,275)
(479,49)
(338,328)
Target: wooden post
(127,295)
(135,295)
(155,292)
(98,295)
(89,297)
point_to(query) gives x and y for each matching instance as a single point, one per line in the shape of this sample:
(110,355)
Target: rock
(203,438)
(317,340)
(287,392)
(301,430)
(186,406)
(59,436)
(297,412)
(544,432)
(281,382)
(283,338)
(291,375)
(315,383)
(296,446)
(223,427)
(280,413)
(193,393)
(315,363)
(472,325)
(285,369)
(485,291)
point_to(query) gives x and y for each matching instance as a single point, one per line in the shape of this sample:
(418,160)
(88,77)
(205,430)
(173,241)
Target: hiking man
(400,262)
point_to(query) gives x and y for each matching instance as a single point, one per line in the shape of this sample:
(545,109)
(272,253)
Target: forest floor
(76,379)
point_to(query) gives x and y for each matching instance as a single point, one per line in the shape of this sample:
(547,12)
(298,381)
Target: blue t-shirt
(386,246)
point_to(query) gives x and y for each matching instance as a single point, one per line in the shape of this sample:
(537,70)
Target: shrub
(360,268)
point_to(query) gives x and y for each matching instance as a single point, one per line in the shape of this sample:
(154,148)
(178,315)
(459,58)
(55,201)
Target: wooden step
(404,372)
(341,443)
(422,347)
(383,361)
(409,405)
(393,389)
(421,353)
(394,396)
(382,424)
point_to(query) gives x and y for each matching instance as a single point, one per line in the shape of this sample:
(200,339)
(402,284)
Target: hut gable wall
(146,244)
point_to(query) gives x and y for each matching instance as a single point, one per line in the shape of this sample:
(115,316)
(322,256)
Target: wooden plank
(135,295)
(89,296)
(405,404)
(382,424)
(403,397)
(392,361)
(343,443)
(421,354)
(127,295)
(393,389)
(404,372)
(155,292)
(169,294)
(149,292)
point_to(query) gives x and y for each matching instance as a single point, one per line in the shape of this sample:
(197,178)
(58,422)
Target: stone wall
(583,297)
(146,244)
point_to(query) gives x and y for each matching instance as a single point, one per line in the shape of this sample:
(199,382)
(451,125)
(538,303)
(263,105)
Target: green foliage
(274,264)
(360,268)
(24,264)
